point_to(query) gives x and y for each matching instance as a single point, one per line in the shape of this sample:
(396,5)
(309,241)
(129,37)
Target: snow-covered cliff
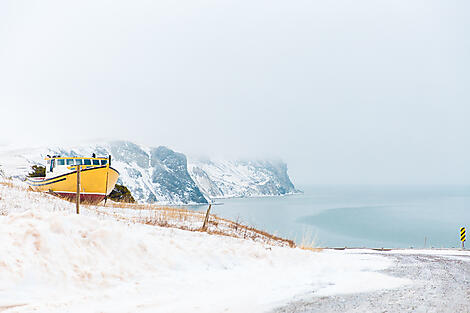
(165,176)
(227,179)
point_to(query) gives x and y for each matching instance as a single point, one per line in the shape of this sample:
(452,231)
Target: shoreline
(224,198)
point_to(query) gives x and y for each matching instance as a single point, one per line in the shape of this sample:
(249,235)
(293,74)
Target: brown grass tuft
(8,184)
(309,243)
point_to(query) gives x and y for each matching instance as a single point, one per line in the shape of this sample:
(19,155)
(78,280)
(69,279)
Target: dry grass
(192,221)
(309,242)
(313,249)
(8,184)
(252,233)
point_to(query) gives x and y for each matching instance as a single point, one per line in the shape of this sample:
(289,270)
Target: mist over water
(360,216)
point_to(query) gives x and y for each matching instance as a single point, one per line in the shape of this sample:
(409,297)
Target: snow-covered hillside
(52,260)
(164,176)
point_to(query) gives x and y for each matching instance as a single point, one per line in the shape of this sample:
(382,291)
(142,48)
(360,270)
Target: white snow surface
(53,260)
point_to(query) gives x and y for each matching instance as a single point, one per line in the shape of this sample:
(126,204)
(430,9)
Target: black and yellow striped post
(462,236)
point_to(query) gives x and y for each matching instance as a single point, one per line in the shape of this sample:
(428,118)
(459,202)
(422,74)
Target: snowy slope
(164,176)
(52,260)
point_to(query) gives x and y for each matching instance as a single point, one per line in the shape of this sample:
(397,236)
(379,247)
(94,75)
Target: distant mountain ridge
(167,177)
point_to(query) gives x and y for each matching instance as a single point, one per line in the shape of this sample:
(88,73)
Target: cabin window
(87,162)
(78,161)
(104,162)
(96,162)
(69,161)
(60,162)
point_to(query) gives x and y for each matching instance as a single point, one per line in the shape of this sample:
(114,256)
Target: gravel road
(440,284)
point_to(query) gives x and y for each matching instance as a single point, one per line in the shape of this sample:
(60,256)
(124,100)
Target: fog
(345,92)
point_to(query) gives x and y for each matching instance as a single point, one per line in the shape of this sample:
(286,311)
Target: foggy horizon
(344,93)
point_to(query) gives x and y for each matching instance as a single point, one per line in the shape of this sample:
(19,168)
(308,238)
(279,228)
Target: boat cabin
(57,165)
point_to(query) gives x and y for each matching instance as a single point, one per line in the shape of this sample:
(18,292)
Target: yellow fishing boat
(97,178)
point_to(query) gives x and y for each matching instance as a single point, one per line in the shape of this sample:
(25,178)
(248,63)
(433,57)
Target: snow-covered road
(441,283)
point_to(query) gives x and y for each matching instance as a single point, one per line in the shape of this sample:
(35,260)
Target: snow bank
(52,260)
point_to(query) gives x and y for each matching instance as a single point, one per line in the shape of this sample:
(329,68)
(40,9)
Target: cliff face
(151,174)
(165,176)
(225,179)
(170,172)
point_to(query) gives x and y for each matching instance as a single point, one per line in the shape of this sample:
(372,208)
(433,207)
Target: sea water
(359,216)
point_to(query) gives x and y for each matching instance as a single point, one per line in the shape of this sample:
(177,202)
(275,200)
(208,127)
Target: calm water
(365,216)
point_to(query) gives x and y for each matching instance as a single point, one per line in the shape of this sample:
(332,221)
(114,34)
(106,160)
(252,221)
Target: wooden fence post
(206,220)
(78,189)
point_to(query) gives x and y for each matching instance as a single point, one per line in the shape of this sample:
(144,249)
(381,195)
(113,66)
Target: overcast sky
(353,92)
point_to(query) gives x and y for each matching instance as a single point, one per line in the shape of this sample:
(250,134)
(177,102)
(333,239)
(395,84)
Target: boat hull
(95,184)
(91,198)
